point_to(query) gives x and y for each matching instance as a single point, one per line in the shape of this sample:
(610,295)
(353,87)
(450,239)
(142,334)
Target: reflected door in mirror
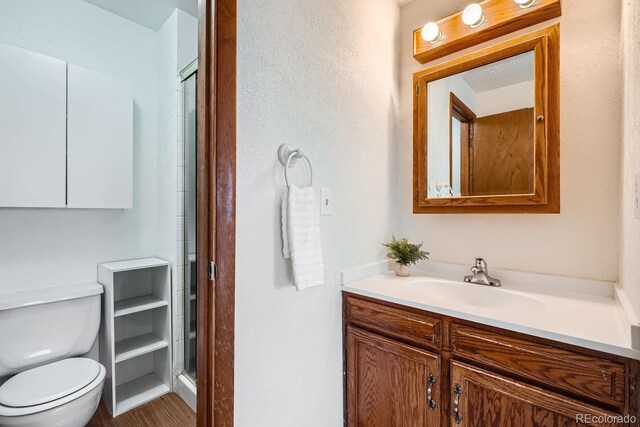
(501,159)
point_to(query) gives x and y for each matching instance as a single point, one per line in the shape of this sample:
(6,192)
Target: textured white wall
(322,76)
(582,241)
(630,154)
(44,247)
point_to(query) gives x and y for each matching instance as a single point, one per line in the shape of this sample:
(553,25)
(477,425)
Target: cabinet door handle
(457,392)
(430,402)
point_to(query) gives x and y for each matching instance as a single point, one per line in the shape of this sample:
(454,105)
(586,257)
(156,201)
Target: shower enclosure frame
(188,73)
(216,201)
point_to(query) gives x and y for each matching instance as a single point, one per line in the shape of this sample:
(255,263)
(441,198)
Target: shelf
(138,391)
(134,264)
(135,305)
(137,346)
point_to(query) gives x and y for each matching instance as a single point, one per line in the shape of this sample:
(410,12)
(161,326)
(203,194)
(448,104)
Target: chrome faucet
(480,274)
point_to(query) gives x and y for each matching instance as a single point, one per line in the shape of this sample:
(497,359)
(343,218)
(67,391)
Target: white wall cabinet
(66,134)
(32,129)
(99,140)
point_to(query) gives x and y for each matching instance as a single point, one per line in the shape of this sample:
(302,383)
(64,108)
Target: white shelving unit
(135,334)
(189,316)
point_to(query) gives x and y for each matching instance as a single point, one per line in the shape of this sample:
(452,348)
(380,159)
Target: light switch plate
(326,201)
(637,196)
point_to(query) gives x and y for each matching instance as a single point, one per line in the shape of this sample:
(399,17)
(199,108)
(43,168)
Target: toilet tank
(44,325)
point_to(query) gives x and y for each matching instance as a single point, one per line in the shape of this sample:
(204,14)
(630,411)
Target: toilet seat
(48,382)
(35,386)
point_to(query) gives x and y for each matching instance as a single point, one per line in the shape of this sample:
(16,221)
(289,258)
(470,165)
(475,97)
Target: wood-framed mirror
(486,130)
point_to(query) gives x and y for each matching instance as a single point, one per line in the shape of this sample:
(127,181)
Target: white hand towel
(303,232)
(285,225)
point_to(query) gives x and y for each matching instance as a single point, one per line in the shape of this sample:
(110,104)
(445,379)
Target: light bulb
(472,15)
(431,32)
(525,3)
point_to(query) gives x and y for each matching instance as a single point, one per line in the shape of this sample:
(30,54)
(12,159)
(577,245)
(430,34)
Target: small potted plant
(404,254)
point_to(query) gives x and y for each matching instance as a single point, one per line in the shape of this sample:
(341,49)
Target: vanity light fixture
(525,3)
(472,15)
(431,32)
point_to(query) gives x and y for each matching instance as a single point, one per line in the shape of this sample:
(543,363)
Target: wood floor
(167,411)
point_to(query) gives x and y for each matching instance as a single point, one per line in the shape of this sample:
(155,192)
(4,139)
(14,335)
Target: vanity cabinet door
(99,140)
(488,399)
(390,384)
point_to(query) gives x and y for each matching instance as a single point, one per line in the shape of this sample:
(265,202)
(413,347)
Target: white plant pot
(401,270)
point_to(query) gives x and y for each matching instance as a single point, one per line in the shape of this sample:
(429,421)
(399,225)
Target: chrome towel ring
(288,157)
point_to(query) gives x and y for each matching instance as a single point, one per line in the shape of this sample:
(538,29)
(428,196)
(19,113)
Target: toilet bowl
(59,394)
(41,333)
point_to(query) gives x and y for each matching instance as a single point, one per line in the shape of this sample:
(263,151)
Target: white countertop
(587,320)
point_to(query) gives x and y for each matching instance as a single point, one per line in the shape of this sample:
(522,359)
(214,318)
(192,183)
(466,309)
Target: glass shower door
(190,277)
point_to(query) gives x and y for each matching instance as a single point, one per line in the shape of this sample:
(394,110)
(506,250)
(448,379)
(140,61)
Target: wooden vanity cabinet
(390,383)
(489,399)
(493,377)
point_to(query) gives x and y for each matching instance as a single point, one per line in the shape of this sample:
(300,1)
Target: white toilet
(41,334)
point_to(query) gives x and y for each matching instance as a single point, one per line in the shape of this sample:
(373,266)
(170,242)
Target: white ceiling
(507,72)
(148,13)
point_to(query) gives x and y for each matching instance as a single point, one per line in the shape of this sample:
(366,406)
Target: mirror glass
(480,130)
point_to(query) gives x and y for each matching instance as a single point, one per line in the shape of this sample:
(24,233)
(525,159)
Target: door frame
(216,198)
(466,117)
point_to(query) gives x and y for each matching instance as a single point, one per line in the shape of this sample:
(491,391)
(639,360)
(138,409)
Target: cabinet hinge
(417,90)
(213,270)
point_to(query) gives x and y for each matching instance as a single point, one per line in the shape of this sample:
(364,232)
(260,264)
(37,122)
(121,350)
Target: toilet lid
(49,382)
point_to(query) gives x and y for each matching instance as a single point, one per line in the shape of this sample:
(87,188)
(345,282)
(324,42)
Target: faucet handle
(481,264)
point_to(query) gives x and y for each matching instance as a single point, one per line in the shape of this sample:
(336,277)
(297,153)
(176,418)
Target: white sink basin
(453,293)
